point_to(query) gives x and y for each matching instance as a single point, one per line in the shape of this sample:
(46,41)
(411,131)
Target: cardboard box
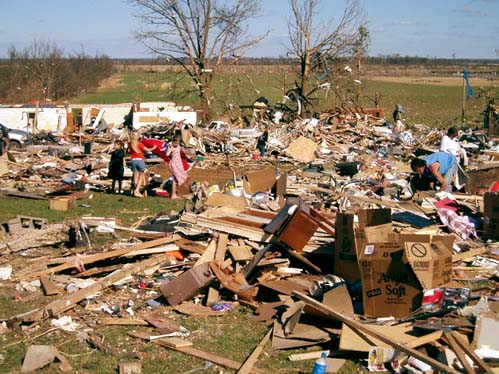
(430,258)
(62,203)
(349,239)
(389,285)
(394,272)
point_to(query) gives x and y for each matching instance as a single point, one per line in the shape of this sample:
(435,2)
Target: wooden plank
(208,255)
(468,254)
(253,357)
(191,351)
(307,356)
(172,342)
(122,322)
(213,296)
(240,253)
(247,232)
(191,246)
(425,339)
(459,353)
(220,199)
(103,256)
(386,339)
(49,288)
(471,353)
(222,241)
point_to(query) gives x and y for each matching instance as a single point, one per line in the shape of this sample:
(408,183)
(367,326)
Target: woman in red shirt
(137,149)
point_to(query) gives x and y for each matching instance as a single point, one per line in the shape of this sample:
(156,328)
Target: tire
(14,145)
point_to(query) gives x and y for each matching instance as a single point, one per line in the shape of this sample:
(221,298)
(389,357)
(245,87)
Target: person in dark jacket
(116,169)
(4,139)
(261,143)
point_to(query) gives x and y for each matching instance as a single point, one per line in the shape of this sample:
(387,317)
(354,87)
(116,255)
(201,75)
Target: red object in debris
(433,299)
(142,285)
(177,254)
(495,187)
(255,156)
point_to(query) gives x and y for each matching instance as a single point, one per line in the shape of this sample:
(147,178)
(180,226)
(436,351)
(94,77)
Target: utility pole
(463,104)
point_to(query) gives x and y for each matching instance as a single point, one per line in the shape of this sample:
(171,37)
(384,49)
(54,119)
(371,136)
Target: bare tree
(197,34)
(315,43)
(39,64)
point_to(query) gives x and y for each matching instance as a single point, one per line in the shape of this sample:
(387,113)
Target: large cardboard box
(491,215)
(430,258)
(348,238)
(389,286)
(62,203)
(396,271)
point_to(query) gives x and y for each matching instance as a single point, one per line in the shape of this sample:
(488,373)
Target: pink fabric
(461,225)
(447,204)
(177,165)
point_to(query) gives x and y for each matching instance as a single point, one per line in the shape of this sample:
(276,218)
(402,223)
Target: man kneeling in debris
(441,165)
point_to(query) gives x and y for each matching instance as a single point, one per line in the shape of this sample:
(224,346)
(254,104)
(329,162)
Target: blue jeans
(449,176)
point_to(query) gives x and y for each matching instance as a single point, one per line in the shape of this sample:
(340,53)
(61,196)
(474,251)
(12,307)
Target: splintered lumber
(216,224)
(67,302)
(223,239)
(103,256)
(385,339)
(459,353)
(250,361)
(191,351)
(471,353)
(49,288)
(70,300)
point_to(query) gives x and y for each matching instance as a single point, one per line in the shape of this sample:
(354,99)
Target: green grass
(429,104)
(127,208)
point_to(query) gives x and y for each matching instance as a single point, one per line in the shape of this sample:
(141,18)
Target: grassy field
(431,103)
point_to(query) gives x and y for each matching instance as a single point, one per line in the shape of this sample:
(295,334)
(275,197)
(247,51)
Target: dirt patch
(437,81)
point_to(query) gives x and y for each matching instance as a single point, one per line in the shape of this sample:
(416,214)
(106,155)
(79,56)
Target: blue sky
(426,28)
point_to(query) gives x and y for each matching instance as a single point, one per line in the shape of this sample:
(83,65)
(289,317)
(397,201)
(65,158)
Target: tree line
(42,72)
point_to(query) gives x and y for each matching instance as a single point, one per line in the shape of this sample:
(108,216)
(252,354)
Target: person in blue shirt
(441,165)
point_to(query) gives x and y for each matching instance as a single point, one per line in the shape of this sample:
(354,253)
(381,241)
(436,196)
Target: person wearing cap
(441,165)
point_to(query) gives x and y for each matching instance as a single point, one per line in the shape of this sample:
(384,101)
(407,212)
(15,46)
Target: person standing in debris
(261,143)
(450,145)
(176,155)
(116,169)
(4,139)
(398,125)
(441,165)
(137,149)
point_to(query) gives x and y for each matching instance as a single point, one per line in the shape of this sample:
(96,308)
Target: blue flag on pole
(468,85)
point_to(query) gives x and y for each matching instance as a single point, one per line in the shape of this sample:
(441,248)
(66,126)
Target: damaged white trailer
(54,118)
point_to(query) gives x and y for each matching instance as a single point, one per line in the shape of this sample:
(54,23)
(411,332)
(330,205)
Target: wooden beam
(385,339)
(247,365)
(471,353)
(103,256)
(191,351)
(461,356)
